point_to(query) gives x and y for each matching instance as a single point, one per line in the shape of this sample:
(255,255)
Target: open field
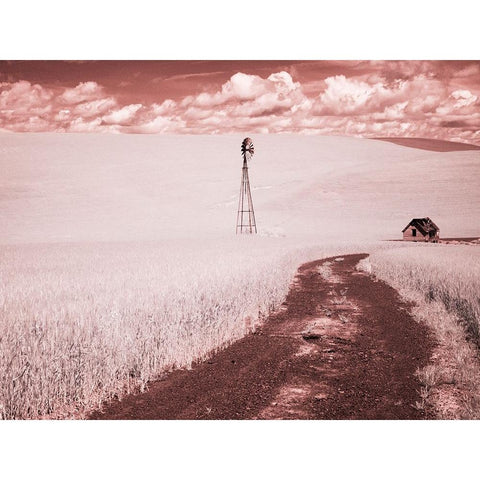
(118,259)
(98,188)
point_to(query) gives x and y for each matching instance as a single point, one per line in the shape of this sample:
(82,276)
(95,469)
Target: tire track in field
(343,346)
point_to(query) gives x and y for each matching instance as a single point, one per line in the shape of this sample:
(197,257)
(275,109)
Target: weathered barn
(421,230)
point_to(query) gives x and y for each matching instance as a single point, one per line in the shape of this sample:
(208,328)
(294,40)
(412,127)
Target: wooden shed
(421,230)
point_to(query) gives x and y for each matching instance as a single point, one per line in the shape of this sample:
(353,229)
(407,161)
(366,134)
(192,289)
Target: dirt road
(344,346)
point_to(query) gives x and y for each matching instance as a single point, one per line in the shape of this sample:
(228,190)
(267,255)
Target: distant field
(92,187)
(430,144)
(461,239)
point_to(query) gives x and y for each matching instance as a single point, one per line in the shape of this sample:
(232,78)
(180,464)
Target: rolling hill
(93,187)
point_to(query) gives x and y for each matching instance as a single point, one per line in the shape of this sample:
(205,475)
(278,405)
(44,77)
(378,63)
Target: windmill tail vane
(246,215)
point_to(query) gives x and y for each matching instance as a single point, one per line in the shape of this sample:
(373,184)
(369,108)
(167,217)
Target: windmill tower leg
(252,227)
(240,204)
(245,216)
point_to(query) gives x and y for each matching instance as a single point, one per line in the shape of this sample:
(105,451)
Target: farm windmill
(246,215)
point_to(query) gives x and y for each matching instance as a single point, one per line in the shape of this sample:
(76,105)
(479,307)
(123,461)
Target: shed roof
(425,225)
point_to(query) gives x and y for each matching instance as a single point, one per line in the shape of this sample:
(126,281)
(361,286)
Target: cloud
(459,102)
(124,115)
(242,88)
(22,97)
(247,101)
(369,105)
(94,108)
(351,96)
(167,107)
(81,125)
(344,96)
(26,107)
(431,99)
(85,91)
(160,124)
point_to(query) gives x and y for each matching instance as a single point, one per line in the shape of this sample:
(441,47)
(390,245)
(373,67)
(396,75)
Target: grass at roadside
(444,283)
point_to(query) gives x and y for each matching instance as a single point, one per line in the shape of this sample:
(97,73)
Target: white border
(246,30)
(243,450)
(250,29)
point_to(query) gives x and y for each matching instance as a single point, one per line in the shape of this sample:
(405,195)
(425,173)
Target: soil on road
(343,346)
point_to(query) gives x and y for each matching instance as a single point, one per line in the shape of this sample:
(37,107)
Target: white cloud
(24,98)
(369,105)
(459,102)
(94,107)
(84,91)
(123,115)
(346,96)
(241,88)
(160,124)
(464,98)
(168,106)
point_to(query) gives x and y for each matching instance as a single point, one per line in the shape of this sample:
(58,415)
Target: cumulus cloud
(81,125)
(160,124)
(383,99)
(30,107)
(240,87)
(94,108)
(82,92)
(247,102)
(167,107)
(344,96)
(459,102)
(351,96)
(22,97)
(124,115)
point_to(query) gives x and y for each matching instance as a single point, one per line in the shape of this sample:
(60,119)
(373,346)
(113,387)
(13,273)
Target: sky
(429,99)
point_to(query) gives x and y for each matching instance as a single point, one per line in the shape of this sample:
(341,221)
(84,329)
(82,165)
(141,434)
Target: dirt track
(344,347)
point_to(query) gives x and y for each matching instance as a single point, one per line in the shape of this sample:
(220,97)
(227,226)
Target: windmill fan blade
(247,147)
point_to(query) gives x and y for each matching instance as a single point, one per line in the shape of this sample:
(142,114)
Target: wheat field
(443,282)
(449,274)
(82,323)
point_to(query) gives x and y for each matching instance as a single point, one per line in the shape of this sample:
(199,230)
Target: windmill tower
(246,215)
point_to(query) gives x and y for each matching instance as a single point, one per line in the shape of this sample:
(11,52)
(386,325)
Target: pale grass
(82,323)
(444,283)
